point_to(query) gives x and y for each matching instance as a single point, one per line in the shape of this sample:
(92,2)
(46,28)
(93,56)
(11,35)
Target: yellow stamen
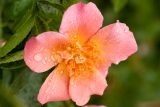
(81,60)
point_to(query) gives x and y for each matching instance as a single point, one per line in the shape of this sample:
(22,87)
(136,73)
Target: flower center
(79,59)
(75,53)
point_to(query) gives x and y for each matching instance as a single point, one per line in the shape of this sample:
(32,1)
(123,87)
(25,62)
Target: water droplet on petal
(47,90)
(41,49)
(53,59)
(117,31)
(125,30)
(45,50)
(49,59)
(117,62)
(73,83)
(29,60)
(57,58)
(61,72)
(46,58)
(38,57)
(117,21)
(44,62)
(69,48)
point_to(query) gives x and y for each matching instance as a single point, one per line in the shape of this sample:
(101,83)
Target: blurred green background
(132,83)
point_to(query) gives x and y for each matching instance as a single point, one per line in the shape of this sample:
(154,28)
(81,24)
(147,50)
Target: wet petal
(82,87)
(103,68)
(116,42)
(81,21)
(55,87)
(40,52)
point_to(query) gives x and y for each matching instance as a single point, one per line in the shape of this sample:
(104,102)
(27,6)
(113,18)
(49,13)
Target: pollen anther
(80,59)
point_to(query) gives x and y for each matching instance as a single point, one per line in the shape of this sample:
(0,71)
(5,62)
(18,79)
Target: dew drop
(57,58)
(44,62)
(73,83)
(117,31)
(49,60)
(61,72)
(29,60)
(47,90)
(125,30)
(45,50)
(69,48)
(117,21)
(53,59)
(38,57)
(46,58)
(41,49)
(117,62)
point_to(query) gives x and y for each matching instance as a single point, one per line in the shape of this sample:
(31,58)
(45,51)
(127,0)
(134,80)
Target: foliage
(130,84)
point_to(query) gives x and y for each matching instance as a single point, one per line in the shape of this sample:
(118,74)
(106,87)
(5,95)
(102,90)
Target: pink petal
(55,87)
(116,42)
(81,88)
(103,68)
(81,21)
(40,52)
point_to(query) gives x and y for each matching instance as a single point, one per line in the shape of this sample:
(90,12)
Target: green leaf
(119,4)
(21,33)
(67,3)
(7,77)
(51,15)
(20,6)
(40,26)
(13,65)
(1,8)
(49,9)
(24,19)
(8,99)
(52,10)
(55,5)
(27,84)
(17,8)
(12,57)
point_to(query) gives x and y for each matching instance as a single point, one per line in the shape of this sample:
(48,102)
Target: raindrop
(38,57)
(53,59)
(117,31)
(117,62)
(125,30)
(44,62)
(48,90)
(41,49)
(69,48)
(61,72)
(46,58)
(29,60)
(45,50)
(49,59)
(73,83)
